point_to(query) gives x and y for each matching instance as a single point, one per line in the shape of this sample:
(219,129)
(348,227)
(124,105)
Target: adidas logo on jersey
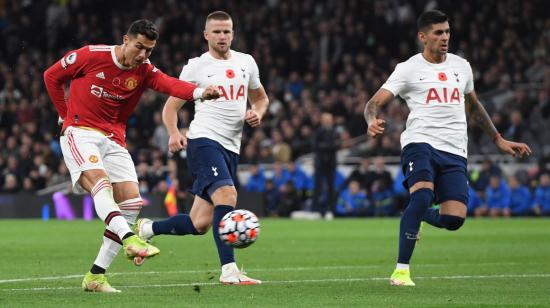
(100,75)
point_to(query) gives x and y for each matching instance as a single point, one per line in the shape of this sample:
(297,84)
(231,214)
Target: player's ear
(205,33)
(422,36)
(125,39)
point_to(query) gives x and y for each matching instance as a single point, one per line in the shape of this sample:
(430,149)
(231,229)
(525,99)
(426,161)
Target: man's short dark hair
(144,27)
(428,18)
(218,15)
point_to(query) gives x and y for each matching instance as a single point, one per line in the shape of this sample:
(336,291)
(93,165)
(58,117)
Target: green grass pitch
(340,263)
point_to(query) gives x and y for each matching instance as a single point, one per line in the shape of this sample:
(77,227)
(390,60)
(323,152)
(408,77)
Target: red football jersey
(103,93)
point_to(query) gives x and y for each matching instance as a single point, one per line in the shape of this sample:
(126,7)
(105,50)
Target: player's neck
(220,56)
(434,58)
(119,54)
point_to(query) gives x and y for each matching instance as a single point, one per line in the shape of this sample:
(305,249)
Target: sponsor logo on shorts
(93,159)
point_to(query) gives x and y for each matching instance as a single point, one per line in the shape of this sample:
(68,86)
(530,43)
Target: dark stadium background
(313,56)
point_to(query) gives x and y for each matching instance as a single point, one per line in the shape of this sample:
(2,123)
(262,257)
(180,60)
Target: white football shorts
(87,149)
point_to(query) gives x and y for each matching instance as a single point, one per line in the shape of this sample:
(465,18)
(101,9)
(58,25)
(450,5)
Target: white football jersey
(435,96)
(222,119)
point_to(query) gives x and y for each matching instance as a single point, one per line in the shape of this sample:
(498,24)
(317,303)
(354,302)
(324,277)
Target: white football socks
(107,209)
(402,266)
(108,251)
(111,242)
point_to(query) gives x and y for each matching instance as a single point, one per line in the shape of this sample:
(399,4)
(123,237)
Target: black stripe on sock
(110,216)
(112,236)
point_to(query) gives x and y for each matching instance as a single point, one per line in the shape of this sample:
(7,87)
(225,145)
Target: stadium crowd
(313,56)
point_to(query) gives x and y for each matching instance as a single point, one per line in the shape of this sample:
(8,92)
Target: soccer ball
(239,228)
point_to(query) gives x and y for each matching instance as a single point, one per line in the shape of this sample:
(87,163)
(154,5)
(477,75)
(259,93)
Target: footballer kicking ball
(239,228)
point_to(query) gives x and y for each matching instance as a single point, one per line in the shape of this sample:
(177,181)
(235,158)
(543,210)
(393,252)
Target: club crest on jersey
(93,159)
(230,73)
(442,76)
(130,83)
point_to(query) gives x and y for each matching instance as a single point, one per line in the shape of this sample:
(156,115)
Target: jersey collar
(118,64)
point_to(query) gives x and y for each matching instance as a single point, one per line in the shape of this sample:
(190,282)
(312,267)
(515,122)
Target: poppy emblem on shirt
(93,159)
(116,81)
(442,76)
(230,73)
(130,83)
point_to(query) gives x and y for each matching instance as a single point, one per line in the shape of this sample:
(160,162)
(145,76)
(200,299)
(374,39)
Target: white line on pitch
(302,281)
(283,269)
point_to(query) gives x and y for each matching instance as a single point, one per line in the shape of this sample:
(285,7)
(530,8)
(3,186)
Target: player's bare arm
(477,113)
(259,102)
(177,141)
(372,109)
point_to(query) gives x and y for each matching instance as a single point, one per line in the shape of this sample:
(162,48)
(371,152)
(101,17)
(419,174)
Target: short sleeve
(470,82)
(397,81)
(254,82)
(186,73)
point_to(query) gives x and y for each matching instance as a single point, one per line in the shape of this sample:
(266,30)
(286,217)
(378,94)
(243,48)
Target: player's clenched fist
(211,92)
(177,142)
(376,127)
(252,118)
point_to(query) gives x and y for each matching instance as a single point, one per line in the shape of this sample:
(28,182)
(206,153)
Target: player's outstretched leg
(449,222)
(109,212)
(180,224)
(420,200)
(230,272)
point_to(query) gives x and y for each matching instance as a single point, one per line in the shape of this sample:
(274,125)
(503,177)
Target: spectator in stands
(400,193)
(256,180)
(497,198)
(352,201)
(280,175)
(520,199)
(480,179)
(280,149)
(541,204)
(474,201)
(272,197)
(298,60)
(325,145)
(10,184)
(517,129)
(363,175)
(289,200)
(382,199)
(382,175)
(298,177)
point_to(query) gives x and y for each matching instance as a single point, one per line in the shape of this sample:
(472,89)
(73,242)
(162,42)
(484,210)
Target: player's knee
(451,222)
(423,197)
(226,195)
(201,227)
(130,209)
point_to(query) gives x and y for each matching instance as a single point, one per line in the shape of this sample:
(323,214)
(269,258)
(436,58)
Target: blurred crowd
(314,57)
(371,189)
